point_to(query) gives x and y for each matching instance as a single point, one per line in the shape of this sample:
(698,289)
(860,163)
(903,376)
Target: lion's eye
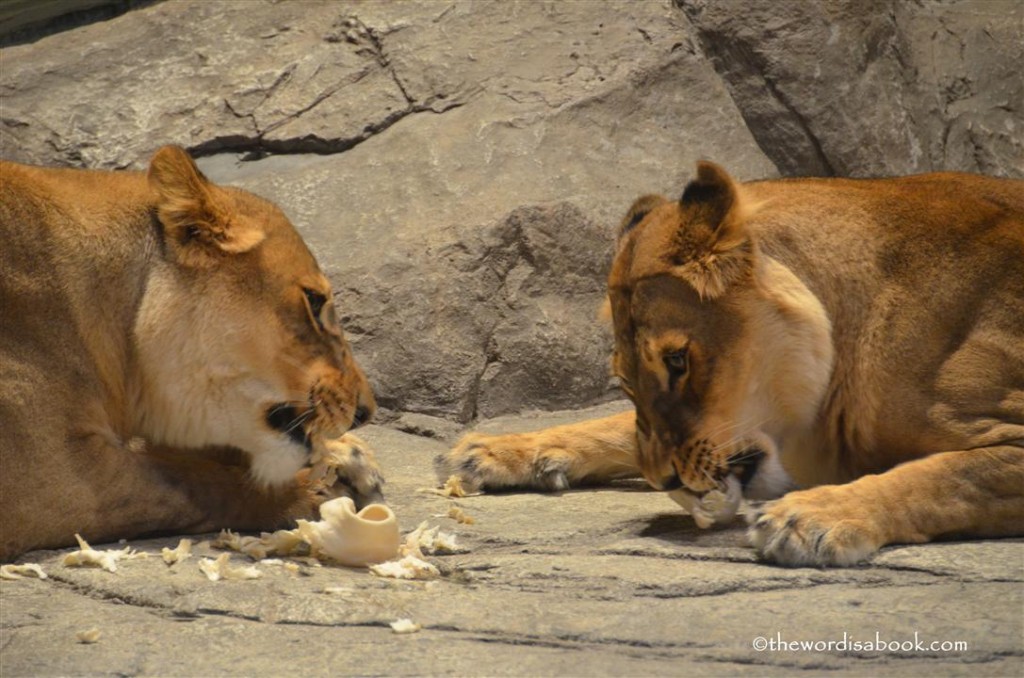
(316,303)
(677,362)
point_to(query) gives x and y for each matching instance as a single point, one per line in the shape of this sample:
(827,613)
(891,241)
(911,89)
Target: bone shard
(182,551)
(218,569)
(405,626)
(715,507)
(13,572)
(87,556)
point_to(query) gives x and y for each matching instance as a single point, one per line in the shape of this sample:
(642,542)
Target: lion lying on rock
(169,353)
(863,339)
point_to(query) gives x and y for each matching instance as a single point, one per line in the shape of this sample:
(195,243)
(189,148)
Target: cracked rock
(459,168)
(874,88)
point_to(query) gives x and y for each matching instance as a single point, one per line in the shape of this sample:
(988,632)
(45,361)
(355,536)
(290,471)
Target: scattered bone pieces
(88,637)
(284,543)
(409,567)
(279,543)
(179,553)
(343,535)
(428,540)
(227,540)
(460,516)
(405,626)
(452,488)
(339,590)
(715,507)
(250,546)
(21,571)
(88,556)
(216,570)
(412,564)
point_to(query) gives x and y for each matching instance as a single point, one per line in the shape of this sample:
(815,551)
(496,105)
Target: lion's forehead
(661,243)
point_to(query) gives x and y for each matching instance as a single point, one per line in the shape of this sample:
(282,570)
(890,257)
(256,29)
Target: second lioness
(861,338)
(170,359)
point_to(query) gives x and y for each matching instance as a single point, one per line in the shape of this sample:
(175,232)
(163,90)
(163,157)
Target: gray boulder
(874,87)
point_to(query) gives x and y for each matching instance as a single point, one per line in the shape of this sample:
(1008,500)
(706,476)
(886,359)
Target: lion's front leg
(975,493)
(594,451)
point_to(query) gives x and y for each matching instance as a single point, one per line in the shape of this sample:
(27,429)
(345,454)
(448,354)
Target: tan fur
(150,322)
(865,336)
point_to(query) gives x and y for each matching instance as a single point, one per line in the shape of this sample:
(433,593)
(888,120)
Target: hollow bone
(350,538)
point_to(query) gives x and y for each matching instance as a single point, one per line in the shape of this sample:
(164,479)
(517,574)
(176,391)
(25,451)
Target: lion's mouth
(290,421)
(745,464)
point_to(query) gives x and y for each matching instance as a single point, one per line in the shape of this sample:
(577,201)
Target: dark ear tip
(641,207)
(698,192)
(711,183)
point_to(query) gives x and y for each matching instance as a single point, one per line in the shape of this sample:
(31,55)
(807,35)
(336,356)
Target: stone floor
(611,581)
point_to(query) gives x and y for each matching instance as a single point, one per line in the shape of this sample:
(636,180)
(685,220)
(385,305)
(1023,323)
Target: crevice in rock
(106,596)
(258,146)
(573,641)
(734,61)
(944,574)
(758,661)
(695,557)
(370,41)
(213,612)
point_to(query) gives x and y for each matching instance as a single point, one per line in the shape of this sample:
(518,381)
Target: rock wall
(458,167)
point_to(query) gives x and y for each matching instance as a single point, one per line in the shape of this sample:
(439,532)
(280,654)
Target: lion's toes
(484,462)
(794,532)
(352,471)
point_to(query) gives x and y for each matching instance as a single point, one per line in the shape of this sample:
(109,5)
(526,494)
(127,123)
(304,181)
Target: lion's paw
(506,461)
(818,527)
(346,467)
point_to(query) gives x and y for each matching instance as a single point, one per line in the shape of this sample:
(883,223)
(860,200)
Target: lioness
(861,338)
(168,353)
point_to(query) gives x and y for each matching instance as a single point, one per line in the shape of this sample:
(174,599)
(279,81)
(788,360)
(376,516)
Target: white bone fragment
(715,507)
(405,626)
(179,553)
(88,556)
(21,571)
(218,569)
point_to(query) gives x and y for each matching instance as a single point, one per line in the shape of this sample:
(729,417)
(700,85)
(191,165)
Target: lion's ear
(640,208)
(196,223)
(712,204)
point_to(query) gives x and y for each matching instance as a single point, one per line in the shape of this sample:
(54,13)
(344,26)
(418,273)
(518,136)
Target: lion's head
(236,339)
(723,351)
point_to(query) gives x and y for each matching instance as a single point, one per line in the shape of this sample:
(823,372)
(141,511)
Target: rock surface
(874,88)
(458,168)
(610,581)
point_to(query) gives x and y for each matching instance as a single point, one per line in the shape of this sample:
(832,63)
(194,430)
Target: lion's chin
(277,461)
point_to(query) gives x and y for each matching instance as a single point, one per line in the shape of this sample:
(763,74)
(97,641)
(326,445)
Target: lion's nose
(671,482)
